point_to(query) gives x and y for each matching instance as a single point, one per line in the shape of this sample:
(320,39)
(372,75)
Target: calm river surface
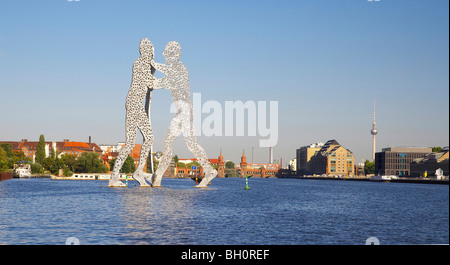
(274,211)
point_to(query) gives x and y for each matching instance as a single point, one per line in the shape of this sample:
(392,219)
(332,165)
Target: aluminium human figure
(176,80)
(137,117)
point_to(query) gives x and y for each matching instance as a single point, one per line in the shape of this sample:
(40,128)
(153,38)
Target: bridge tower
(243,165)
(221,168)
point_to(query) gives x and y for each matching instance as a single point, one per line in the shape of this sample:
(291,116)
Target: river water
(272,212)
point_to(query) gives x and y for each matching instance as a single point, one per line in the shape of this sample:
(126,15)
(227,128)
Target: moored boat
(382,178)
(22,170)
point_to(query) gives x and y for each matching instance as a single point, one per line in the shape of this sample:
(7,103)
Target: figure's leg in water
(172,134)
(200,154)
(146,130)
(131,131)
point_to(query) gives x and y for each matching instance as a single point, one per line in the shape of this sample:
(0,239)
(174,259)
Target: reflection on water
(157,216)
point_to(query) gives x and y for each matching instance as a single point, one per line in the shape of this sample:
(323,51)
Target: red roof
(211,160)
(76,144)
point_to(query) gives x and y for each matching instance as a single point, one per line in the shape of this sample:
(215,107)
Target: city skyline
(65,69)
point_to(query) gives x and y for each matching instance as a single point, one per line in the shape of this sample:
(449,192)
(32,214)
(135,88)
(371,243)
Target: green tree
(19,156)
(69,161)
(229,165)
(67,172)
(111,163)
(36,168)
(10,157)
(48,162)
(40,150)
(193,163)
(436,149)
(127,167)
(90,162)
(230,171)
(53,164)
(155,165)
(53,153)
(176,159)
(7,148)
(3,159)
(369,167)
(180,164)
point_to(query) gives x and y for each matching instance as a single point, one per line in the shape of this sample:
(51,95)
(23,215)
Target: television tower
(374,132)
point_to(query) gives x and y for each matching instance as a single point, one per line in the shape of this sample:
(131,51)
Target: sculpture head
(146,48)
(172,52)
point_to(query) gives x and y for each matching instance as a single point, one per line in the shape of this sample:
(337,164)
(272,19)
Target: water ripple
(274,211)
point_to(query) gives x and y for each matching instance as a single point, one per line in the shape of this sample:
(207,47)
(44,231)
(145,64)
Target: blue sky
(65,68)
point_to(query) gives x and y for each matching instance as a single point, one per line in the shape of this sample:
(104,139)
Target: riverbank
(41,176)
(91,176)
(6,175)
(10,175)
(87,176)
(398,180)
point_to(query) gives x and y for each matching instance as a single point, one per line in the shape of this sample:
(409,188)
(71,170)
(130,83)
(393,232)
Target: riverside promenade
(365,178)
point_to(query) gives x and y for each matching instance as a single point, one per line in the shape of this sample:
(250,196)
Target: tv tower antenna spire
(374,132)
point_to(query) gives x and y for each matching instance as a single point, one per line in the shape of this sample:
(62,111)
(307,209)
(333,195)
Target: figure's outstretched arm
(159,83)
(160,67)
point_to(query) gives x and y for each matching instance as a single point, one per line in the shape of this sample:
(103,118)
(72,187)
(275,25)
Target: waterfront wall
(6,175)
(395,180)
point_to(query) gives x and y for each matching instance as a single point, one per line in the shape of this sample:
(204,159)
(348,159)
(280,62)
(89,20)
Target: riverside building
(397,160)
(304,155)
(29,148)
(427,165)
(333,160)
